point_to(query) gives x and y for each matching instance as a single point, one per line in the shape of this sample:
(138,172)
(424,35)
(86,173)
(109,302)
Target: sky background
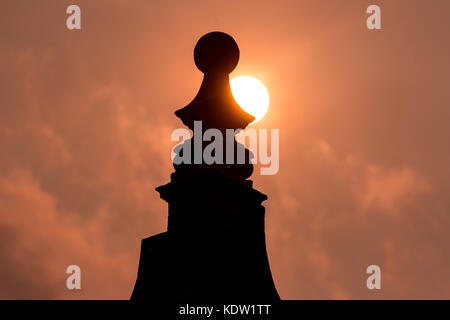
(86,118)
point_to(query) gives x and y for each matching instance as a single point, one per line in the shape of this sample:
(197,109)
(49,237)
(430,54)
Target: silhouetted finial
(216,55)
(216,52)
(214,248)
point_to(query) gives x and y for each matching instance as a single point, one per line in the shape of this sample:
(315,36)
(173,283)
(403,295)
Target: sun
(251,95)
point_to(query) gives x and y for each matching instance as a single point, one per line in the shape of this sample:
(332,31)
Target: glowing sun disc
(251,95)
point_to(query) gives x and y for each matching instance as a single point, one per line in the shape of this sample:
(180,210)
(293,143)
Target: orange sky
(86,117)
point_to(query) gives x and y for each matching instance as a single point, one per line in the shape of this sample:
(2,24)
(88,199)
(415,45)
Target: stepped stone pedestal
(214,248)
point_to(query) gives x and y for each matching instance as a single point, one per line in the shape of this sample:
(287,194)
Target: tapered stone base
(214,249)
